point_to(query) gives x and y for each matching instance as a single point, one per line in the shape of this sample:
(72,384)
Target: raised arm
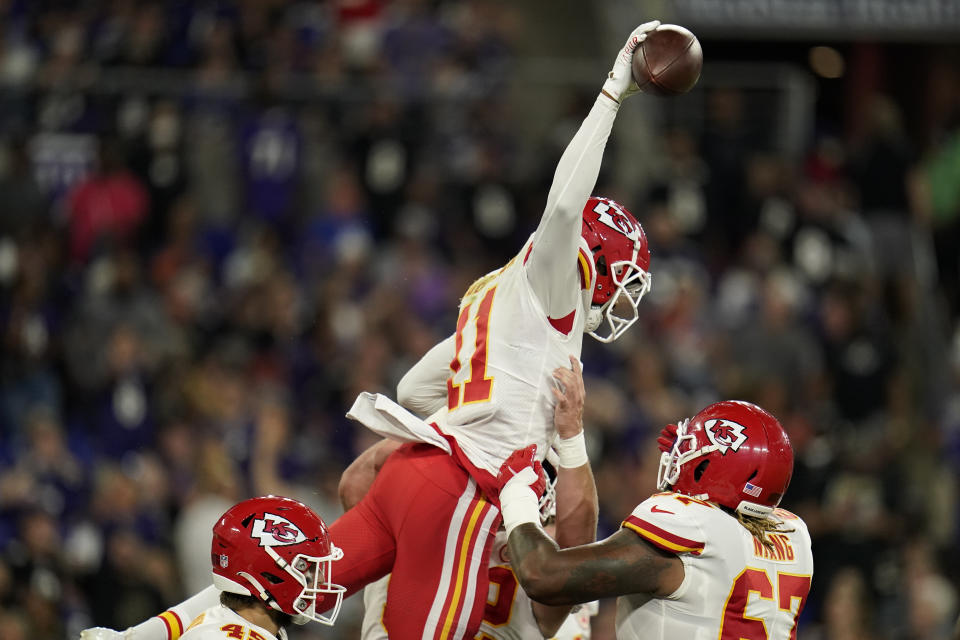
(577,507)
(576,492)
(551,265)
(423,389)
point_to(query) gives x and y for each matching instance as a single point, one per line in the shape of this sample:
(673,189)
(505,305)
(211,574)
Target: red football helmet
(733,453)
(278,550)
(621,260)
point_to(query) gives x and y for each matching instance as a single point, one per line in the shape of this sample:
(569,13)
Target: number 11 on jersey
(478,387)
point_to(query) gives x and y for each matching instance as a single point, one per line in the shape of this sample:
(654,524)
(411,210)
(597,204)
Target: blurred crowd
(222,220)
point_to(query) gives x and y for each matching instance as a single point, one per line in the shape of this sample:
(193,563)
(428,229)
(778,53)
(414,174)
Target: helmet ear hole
(601,264)
(271,578)
(700,470)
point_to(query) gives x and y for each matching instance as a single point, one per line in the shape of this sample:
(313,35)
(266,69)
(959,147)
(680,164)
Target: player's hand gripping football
(522,469)
(620,84)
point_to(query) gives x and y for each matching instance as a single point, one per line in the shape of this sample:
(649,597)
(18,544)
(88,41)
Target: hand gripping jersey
(734,588)
(508,614)
(223,623)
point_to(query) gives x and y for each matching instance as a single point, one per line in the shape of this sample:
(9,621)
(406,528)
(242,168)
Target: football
(668,62)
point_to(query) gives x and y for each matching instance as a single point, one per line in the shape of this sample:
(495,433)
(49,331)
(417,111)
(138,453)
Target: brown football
(668,62)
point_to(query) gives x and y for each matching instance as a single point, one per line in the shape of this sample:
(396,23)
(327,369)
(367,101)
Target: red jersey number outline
(236,632)
(478,388)
(737,625)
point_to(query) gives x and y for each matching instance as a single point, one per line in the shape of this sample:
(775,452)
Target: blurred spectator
(222,220)
(215,492)
(25,204)
(107,208)
(848,615)
(880,165)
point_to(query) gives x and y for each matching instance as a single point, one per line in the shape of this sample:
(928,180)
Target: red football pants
(424,520)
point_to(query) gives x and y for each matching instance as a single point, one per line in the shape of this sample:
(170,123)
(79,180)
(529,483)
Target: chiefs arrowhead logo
(725,434)
(276,531)
(609,213)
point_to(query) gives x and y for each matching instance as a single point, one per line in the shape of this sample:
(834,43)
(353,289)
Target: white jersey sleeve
(666,523)
(423,389)
(551,264)
(222,623)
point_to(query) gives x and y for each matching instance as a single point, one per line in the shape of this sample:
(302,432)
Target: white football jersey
(523,322)
(223,623)
(733,586)
(498,392)
(508,614)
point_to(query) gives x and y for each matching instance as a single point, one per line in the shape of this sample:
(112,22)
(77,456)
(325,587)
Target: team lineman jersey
(508,614)
(733,586)
(223,623)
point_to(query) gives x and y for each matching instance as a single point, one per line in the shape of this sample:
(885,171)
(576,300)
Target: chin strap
(261,592)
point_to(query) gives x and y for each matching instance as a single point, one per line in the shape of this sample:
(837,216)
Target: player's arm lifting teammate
(723,473)
(575,500)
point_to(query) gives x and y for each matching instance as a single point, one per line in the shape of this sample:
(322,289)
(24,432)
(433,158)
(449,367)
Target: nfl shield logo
(223,561)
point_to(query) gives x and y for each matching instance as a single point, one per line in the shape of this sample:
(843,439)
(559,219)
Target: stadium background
(219,221)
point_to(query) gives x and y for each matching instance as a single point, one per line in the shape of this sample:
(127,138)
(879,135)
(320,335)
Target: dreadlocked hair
(760,527)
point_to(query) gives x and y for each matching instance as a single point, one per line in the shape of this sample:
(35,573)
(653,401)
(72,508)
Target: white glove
(102,633)
(620,84)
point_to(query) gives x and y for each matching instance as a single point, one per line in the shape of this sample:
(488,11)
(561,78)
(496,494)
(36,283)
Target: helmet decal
(752,490)
(295,553)
(726,434)
(609,213)
(275,531)
(751,482)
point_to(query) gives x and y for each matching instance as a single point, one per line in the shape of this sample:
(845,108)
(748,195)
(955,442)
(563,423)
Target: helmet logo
(611,215)
(725,434)
(276,531)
